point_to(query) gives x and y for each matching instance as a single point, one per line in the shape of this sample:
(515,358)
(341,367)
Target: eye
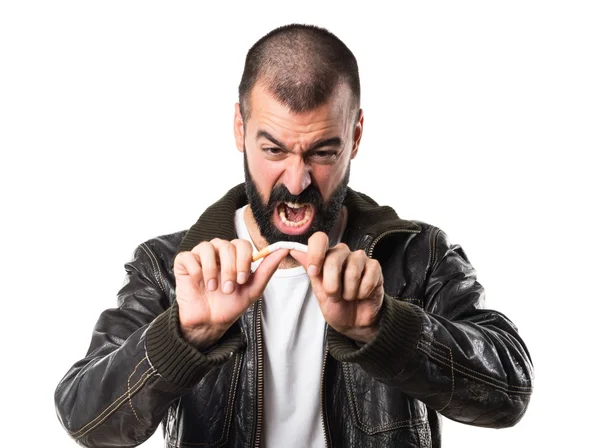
(324,155)
(273,151)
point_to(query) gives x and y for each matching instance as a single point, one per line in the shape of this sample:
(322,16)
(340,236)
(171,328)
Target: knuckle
(227,248)
(373,267)
(228,270)
(226,252)
(187,258)
(193,269)
(330,270)
(342,247)
(330,288)
(180,257)
(202,247)
(208,261)
(373,263)
(352,273)
(243,249)
(241,243)
(368,285)
(189,263)
(361,255)
(210,269)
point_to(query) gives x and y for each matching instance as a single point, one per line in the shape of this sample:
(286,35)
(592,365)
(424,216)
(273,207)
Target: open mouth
(293,218)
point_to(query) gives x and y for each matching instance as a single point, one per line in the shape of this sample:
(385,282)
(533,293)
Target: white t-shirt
(293,331)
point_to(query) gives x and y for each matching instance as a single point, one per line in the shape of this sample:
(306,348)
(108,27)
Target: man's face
(297,166)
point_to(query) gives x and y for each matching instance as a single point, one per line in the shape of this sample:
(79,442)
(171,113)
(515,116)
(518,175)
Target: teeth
(288,223)
(294,205)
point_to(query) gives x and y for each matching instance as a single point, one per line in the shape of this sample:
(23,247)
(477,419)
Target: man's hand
(214,287)
(348,286)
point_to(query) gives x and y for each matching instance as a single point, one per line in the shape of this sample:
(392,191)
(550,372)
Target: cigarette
(280,245)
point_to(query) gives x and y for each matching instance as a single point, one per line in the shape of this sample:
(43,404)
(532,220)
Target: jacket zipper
(259,368)
(323,402)
(259,357)
(371,247)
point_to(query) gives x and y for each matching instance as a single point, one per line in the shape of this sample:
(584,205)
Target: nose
(297,177)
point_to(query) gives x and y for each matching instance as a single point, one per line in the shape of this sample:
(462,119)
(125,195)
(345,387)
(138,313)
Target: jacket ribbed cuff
(393,347)
(178,361)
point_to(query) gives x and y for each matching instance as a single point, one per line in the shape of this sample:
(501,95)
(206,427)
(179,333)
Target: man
(362,341)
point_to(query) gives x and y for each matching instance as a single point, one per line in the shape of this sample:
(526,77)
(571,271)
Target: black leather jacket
(438,351)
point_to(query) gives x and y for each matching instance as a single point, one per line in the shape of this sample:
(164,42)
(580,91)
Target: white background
(481,118)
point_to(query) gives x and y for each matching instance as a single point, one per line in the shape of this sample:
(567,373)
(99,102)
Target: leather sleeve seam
(482,374)
(451,374)
(432,249)
(503,386)
(155,266)
(129,391)
(111,408)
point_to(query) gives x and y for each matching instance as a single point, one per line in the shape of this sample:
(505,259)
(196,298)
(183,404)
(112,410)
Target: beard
(325,213)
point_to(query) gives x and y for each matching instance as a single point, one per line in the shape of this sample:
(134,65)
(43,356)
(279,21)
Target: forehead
(268,112)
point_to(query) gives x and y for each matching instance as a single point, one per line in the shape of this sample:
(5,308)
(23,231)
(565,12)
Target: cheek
(264,176)
(327,179)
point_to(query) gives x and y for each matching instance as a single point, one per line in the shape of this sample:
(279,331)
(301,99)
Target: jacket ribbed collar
(366,220)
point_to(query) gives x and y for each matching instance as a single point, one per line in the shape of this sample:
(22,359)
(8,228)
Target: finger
(300,257)
(371,279)
(315,281)
(226,253)
(258,281)
(205,251)
(318,244)
(243,259)
(188,270)
(332,271)
(355,265)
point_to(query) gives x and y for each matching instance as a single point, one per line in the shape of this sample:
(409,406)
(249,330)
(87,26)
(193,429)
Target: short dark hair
(301,65)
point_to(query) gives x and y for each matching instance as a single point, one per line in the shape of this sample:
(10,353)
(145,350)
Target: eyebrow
(333,141)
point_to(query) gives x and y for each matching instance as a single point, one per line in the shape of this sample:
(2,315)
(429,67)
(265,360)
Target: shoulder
(434,239)
(157,254)
(164,246)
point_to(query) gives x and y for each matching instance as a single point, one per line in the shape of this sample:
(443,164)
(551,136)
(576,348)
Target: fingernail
(212,284)
(241,277)
(228,287)
(312,270)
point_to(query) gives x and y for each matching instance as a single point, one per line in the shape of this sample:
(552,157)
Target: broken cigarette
(280,245)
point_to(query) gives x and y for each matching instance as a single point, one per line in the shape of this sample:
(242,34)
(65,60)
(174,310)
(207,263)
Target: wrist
(202,337)
(362,335)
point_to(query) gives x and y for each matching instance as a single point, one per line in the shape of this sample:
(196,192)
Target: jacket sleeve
(466,362)
(137,364)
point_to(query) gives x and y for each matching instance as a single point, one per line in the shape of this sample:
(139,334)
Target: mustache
(310,195)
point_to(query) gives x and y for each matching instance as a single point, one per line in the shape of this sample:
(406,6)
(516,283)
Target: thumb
(316,281)
(264,272)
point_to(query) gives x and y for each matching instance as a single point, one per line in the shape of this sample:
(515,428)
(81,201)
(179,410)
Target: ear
(357,134)
(238,128)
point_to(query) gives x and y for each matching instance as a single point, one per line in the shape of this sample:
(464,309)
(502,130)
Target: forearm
(137,364)
(475,370)
(120,398)
(115,399)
